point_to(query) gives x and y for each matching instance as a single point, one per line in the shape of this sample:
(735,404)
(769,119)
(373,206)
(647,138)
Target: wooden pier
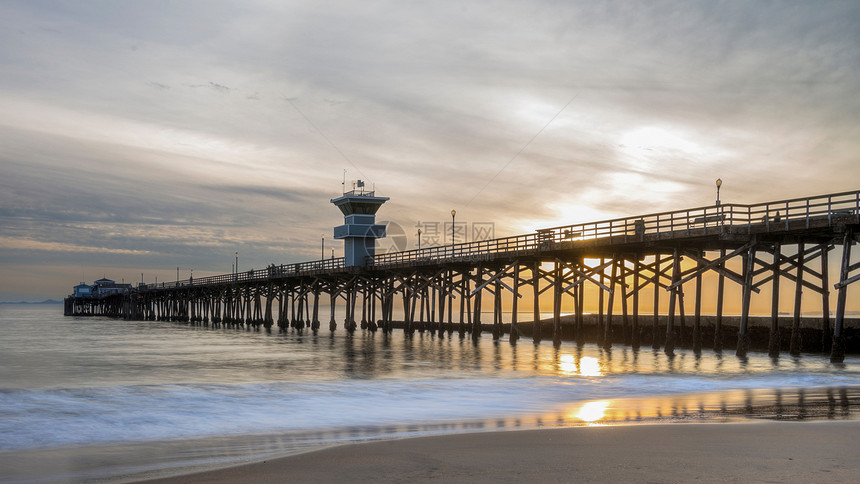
(444,288)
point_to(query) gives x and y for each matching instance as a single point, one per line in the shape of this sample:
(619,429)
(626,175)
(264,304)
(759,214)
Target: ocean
(95,399)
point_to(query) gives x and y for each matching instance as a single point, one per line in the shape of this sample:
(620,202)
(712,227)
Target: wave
(37,418)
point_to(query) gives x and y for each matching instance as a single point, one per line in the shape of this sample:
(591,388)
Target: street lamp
(453,218)
(237,263)
(719,184)
(322,247)
(419,239)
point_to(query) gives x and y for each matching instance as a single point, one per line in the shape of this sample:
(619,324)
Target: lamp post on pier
(453,219)
(237,263)
(322,247)
(719,184)
(419,239)
(190,277)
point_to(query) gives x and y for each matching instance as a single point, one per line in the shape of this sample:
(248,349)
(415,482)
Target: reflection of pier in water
(841,403)
(443,288)
(817,404)
(838,403)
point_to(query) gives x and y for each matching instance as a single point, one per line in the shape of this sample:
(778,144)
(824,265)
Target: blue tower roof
(351,203)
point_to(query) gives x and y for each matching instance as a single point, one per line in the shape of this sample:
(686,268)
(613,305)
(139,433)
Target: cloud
(129,127)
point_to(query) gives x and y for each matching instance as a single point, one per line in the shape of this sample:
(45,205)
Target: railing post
(749,220)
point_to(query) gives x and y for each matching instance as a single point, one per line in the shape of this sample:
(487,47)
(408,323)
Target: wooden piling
(601,331)
(837,350)
(826,331)
(634,336)
(795,344)
(442,301)
(476,319)
(464,299)
(743,335)
(556,305)
(682,330)
(669,348)
(497,311)
(655,332)
(515,330)
(432,308)
(718,321)
(536,326)
(697,318)
(315,325)
(450,295)
(332,324)
(607,329)
(580,310)
(773,340)
(625,327)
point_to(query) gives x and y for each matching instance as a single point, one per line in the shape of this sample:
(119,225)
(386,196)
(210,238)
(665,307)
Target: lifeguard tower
(359,231)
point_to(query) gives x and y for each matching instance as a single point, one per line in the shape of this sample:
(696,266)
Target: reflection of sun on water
(567,365)
(592,411)
(589,366)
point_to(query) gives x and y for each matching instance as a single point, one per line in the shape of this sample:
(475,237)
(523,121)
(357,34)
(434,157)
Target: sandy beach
(726,452)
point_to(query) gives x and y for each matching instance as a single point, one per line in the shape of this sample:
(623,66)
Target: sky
(138,137)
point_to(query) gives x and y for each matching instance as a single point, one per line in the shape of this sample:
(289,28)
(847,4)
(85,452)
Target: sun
(644,145)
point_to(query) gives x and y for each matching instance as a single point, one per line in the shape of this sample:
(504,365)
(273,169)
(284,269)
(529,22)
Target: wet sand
(766,451)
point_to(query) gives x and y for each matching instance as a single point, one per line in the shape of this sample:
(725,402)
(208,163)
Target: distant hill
(46,301)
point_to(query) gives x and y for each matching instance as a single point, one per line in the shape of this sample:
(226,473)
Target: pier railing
(766,217)
(792,214)
(256,275)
